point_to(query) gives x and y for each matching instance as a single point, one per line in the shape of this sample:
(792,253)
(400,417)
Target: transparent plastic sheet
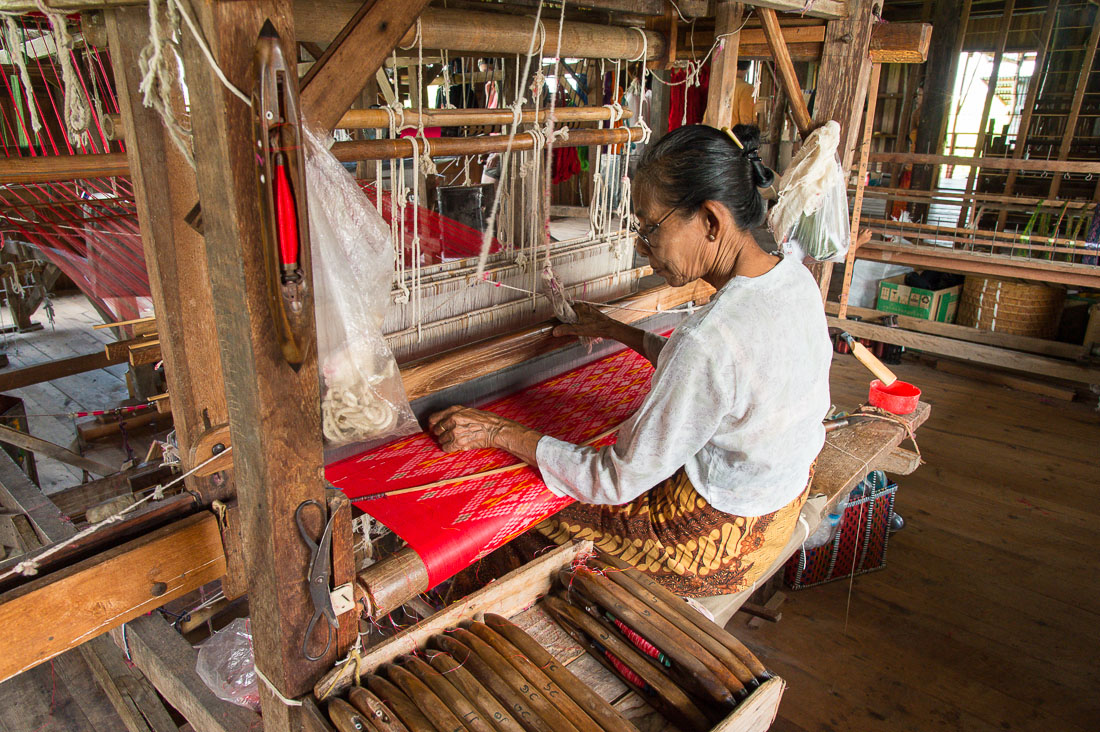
(227,665)
(353,262)
(811,216)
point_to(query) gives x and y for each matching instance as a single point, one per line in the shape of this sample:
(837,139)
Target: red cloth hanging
(566,164)
(695,97)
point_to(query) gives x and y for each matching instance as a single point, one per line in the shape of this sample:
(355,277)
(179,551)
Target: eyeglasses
(644,236)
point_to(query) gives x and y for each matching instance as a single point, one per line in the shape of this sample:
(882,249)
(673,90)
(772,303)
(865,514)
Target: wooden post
(274,411)
(333,83)
(1075,106)
(1020,145)
(175,255)
(784,68)
(857,204)
(842,86)
(991,91)
(723,68)
(948,31)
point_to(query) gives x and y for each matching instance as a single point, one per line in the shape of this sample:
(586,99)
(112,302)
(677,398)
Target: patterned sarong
(673,534)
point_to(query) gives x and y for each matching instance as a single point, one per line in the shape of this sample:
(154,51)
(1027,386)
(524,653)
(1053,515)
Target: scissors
(320,575)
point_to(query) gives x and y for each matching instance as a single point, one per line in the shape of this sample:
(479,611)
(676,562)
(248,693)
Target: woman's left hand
(463,428)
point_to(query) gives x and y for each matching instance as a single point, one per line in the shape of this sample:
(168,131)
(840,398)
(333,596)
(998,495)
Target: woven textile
(672,534)
(457,524)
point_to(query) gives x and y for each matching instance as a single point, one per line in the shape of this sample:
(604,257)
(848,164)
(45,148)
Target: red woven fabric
(453,526)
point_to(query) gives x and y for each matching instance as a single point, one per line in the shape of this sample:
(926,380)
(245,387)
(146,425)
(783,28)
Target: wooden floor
(71,334)
(987,616)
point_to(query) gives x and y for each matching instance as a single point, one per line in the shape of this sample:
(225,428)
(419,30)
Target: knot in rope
(537,82)
(616,112)
(517,111)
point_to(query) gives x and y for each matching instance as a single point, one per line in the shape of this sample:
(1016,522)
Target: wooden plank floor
(70,335)
(986,615)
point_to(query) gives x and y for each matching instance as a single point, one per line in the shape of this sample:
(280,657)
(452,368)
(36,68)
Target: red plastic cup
(899,398)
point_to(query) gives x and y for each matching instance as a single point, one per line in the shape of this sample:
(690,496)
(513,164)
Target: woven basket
(1010,306)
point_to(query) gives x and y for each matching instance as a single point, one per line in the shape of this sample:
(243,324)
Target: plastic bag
(362,394)
(811,215)
(227,665)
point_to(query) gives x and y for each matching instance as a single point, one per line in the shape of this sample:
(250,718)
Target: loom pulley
(280,181)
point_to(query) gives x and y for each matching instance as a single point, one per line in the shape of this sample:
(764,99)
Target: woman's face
(678,247)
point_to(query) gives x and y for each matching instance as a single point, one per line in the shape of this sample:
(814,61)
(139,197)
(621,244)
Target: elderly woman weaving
(704,485)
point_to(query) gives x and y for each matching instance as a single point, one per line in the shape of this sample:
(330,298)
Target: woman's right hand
(591,323)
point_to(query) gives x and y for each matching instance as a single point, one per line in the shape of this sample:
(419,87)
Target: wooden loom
(214,285)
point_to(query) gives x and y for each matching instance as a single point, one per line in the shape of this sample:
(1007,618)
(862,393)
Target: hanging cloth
(693,97)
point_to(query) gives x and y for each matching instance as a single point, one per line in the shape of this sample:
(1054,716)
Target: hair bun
(749,137)
(762,175)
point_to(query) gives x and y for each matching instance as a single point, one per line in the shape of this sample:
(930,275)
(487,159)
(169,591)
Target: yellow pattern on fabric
(673,534)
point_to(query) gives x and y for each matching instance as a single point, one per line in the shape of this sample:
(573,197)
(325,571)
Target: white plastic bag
(228,666)
(811,215)
(362,394)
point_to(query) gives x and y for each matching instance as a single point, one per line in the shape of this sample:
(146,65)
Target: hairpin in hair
(733,137)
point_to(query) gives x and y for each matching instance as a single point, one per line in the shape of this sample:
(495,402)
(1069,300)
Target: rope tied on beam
(78,114)
(15,39)
(159,63)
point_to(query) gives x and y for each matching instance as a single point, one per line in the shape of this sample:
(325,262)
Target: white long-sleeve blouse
(737,399)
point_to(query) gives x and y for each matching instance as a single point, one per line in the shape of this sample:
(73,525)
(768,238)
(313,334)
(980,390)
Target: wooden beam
(1087,69)
(723,67)
(173,666)
(1053,166)
(58,369)
(828,9)
(484,33)
(861,177)
(333,83)
(990,355)
(274,410)
(890,43)
(86,166)
(1037,76)
(168,661)
(61,167)
(59,611)
(954,260)
(441,371)
(39,446)
(19,495)
(949,23)
(356,150)
(900,43)
(785,68)
(991,91)
(1027,344)
(130,693)
(380,119)
(842,87)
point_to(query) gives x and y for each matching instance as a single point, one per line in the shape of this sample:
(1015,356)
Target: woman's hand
(863,238)
(460,428)
(591,323)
